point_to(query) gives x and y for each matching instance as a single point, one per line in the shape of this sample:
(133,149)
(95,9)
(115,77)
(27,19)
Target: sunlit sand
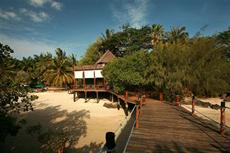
(88,121)
(212,114)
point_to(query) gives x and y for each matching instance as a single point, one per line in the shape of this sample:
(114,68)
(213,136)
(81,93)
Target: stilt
(97,97)
(74,97)
(85,96)
(118,103)
(112,97)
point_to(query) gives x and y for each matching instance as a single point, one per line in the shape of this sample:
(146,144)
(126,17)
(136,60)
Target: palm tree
(108,34)
(177,34)
(60,71)
(43,63)
(157,34)
(73,62)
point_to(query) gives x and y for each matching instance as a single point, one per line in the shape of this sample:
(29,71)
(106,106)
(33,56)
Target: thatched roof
(106,57)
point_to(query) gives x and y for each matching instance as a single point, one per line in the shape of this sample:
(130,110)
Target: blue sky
(34,26)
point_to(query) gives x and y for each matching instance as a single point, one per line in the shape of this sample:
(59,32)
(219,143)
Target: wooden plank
(168,128)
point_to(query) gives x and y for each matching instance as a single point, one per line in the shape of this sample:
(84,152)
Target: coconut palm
(43,63)
(157,34)
(60,71)
(108,34)
(177,34)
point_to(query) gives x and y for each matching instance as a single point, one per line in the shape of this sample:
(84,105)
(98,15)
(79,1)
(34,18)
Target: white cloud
(25,48)
(133,12)
(56,5)
(39,3)
(35,16)
(9,15)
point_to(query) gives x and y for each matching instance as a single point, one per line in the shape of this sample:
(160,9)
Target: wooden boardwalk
(164,128)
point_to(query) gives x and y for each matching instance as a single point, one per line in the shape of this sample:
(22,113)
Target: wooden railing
(222,107)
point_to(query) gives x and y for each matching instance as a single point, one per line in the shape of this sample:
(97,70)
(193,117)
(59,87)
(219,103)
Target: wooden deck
(130,99)
(164,128)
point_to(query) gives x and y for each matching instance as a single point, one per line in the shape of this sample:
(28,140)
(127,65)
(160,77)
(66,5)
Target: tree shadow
(93,147)
(47,130)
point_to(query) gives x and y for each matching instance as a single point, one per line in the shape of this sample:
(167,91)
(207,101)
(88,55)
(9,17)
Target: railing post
(137,116)
(141,101)
(193,105)
(126,96)
(177,100)
(161,96)
(222,118)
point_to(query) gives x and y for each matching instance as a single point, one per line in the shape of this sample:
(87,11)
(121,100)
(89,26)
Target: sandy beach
(85,122)
(212,114)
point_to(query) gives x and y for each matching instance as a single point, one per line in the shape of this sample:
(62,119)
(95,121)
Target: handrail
(206,116)
(120,128)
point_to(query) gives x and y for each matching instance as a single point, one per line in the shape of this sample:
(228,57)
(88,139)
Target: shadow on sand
(49,129)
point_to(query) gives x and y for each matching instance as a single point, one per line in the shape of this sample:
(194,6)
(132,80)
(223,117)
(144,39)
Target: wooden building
(89,77)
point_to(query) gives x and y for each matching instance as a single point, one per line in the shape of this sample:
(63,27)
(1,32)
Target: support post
(177,100)
(137,116)
(126,96)
(74,96)
(112,98)
(161,96)
(222,118)
(141,101)
(85,96)
(97,97)
(193,105)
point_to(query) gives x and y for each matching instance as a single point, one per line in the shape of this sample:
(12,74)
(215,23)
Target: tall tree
(223,39)
(157,34)
(13,97)
(177,34)
(60,72)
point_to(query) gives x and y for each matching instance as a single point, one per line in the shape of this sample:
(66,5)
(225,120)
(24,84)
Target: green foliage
(223,39)
(128,41)
(208,68)
(14,98)
(60,72)
(128,71)
(193,66)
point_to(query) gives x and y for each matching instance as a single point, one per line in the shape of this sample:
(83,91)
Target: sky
(34,26)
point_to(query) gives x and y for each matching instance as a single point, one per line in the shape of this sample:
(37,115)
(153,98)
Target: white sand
(211,113)
(93,118)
